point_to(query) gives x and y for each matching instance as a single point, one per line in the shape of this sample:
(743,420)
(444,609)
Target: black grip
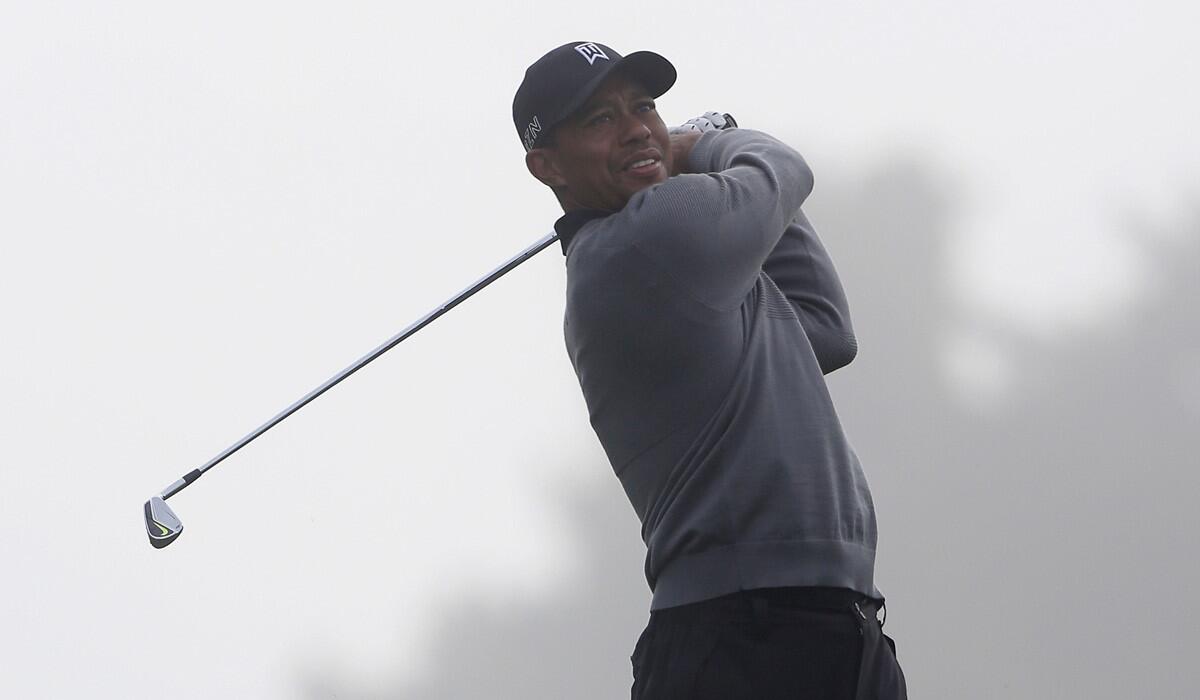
(192,476)
(730,122)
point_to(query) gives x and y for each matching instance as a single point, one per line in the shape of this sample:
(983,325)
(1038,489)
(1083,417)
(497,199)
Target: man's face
(612,147)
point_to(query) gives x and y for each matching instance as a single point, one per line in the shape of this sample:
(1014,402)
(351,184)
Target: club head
(161,524)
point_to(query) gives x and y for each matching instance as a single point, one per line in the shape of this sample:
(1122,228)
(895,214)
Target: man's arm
(804,272)
(712,231)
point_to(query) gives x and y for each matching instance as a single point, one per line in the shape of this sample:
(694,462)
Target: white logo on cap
(531,133)
(591,52)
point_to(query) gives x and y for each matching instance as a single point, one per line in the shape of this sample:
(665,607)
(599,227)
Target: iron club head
(161,524)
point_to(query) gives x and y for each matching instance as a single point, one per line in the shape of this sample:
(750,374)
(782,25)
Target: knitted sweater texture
(701,320)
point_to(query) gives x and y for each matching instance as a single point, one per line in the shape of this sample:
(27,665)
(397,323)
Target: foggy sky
(211,209)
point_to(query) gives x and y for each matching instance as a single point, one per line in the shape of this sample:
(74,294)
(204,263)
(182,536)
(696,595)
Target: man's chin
(636,182)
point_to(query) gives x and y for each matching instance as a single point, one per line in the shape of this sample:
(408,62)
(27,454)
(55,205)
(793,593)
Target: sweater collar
(570,223)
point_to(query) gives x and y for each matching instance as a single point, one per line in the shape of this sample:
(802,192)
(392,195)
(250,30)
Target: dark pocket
(892,685)
(641,653)
(669,657)
(639,650)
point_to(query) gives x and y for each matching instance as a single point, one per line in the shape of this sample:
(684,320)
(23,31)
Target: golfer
(702,314)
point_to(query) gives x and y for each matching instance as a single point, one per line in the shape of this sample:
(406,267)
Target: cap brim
(654,72)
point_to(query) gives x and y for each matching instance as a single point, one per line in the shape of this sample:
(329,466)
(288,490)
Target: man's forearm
(713,231)
(804,272)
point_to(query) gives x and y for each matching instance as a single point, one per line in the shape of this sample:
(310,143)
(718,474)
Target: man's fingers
(709,121)
(717,119)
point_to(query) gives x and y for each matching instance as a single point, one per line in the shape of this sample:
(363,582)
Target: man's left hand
(709,121)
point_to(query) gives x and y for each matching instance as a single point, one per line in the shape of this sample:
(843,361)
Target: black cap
(560,82)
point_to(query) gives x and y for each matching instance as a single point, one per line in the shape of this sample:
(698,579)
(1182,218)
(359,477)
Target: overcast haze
(210,209)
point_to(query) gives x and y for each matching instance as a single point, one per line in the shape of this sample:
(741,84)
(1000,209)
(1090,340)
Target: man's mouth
(643,166)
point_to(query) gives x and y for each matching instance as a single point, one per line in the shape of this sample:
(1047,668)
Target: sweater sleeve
(804,272)
(712,231)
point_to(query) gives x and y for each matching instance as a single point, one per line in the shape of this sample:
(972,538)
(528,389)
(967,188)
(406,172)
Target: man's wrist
(682,144)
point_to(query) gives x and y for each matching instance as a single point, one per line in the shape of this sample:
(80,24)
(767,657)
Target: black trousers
(794,643)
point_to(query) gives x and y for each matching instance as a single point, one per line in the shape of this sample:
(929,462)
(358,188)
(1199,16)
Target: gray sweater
(700,320)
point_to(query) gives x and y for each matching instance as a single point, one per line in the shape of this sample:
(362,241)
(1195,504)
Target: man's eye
(647,107)
(598,119)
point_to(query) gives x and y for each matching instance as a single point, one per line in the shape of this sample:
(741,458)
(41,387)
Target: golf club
(163,526)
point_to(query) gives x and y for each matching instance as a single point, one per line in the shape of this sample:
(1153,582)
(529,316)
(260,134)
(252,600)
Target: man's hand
(708,121)
(685,136)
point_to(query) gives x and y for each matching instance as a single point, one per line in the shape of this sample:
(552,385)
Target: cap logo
(591,52)
(531,133)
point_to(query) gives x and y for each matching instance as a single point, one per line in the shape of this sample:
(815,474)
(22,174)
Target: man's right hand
(685,136)
(681,149)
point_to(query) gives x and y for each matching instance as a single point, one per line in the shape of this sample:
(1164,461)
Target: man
(701,315)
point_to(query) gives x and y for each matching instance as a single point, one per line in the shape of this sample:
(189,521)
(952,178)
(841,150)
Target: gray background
(208,209)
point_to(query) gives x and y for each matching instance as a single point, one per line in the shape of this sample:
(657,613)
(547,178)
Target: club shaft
(390,343)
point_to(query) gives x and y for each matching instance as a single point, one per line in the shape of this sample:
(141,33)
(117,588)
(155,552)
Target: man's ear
(543,165)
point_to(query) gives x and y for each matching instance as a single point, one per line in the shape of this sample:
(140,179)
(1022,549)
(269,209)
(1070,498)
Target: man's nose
(633,128)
